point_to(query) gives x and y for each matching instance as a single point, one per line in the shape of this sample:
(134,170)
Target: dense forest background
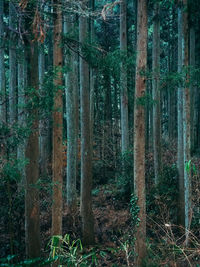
(100,133)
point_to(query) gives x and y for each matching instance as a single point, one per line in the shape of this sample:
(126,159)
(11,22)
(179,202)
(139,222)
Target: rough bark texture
(12,66)
(2,68)
(180,163)
(123,78)
(57,125)
(86,158)
(139,129)
(70,91)
(32,220)
(186,119)
(156,93)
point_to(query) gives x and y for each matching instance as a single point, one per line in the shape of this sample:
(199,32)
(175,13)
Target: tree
(2,68)
(156,92)
(92,76)
(186,120)
(180,162)
(193,91)
(139,129)
(123,80)
(71,108)
(22,73)
(32,208)
(86,156)
(12,65)
(44,123)
(57,158)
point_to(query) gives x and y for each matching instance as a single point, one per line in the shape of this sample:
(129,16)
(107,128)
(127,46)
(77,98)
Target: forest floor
(115,235)
(114,231)
(112,227)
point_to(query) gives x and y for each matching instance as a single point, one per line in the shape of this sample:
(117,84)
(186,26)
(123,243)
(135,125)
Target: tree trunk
(86,157)
(2,68)
(180,163)
(32,219)
(186,121)
(123,78)
(44,123)
(57,159)
(156,93)
(70,92)
(12,65)
(139,129)
(193,91)
(21,103)
(92,79)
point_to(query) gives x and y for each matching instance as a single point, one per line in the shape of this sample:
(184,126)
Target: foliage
(134,210)
(70,252)
(8,262)
(162,200)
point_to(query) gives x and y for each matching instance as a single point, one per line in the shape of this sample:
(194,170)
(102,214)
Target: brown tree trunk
(57,158)
(32,219)
(139,129)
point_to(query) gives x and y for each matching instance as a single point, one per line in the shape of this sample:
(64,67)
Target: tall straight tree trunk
(12,65)
(156,93)
(139,129)
(186,120)
(44,122)
(70,92)
(86,156)
(180,163)
(21,103)
(32,219)
(123,78)
(92,78)
(193,91)
(2,68)
(57,158)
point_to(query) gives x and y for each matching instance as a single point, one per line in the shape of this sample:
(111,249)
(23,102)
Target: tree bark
(21,107)
(193,92)
(139,129)
(32,220)
(156,93)
(70,92)
(12,66)
(44,123)
(123,78)
(57,159)
(2,68)
(86,156)
(92,78)
(186,120)
(180,162)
